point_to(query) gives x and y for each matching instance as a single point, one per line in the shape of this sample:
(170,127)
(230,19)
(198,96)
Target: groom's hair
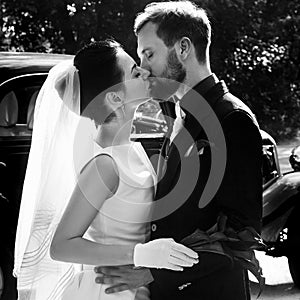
(99,71)
(175,20)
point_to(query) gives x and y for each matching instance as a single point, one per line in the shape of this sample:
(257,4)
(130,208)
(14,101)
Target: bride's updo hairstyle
(99,71)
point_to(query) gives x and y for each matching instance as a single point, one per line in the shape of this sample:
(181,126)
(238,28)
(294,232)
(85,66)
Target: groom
(173,43)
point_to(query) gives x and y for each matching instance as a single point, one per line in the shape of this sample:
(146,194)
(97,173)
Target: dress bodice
(123,219)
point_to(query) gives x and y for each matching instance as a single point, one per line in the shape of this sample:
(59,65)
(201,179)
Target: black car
(21,76)
(281,206)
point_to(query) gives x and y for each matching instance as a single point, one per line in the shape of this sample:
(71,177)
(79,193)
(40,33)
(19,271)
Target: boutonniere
(197,148)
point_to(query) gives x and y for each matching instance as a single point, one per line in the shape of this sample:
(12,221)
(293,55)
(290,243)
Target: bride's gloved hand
(164,253)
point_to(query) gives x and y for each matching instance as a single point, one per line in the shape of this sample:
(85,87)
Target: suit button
(153,227)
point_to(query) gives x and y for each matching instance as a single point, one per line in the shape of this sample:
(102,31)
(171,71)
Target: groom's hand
(122,278)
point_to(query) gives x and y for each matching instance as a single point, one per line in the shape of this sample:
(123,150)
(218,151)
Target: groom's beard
(168,82)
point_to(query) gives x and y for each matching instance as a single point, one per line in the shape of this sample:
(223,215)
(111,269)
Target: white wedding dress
(122,220)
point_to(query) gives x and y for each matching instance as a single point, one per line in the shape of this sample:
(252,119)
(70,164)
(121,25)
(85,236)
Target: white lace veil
(49,182)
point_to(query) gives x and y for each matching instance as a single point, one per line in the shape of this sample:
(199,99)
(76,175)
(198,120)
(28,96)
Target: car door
(17,100)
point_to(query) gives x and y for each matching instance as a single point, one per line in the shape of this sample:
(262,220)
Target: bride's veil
(49,182)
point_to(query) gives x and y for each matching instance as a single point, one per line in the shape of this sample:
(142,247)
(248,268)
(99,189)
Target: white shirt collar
(179,112)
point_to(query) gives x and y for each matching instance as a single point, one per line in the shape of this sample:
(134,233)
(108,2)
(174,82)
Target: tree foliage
(255,47)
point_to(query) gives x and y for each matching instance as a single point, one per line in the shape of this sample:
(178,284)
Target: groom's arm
(209,263)
(122,278)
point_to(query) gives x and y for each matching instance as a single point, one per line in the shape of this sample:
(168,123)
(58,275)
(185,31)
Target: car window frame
(22,81)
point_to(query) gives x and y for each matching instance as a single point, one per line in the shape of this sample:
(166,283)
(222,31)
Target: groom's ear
(183,48)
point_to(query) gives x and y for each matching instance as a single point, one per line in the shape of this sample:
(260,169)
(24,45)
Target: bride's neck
(116,132)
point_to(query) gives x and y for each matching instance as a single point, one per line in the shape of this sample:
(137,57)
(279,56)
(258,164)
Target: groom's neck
(193,77)
(196,73)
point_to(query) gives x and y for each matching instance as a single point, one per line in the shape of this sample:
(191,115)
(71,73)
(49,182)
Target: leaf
(253,266)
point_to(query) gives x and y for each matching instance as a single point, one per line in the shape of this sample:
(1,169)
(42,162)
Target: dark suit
(239,195)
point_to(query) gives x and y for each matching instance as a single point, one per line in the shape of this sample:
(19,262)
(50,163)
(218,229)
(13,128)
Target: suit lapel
(162,158)
(165,147)
(175,153)
(191,102)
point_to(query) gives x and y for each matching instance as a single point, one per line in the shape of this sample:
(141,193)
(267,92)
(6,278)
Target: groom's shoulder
(232,105)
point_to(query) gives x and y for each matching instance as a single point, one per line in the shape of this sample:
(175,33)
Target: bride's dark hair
(99,71)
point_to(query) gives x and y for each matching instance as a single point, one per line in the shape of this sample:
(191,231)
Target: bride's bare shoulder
(100,173)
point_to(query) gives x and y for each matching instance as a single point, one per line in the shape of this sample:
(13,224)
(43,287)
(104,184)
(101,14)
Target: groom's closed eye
(149,55)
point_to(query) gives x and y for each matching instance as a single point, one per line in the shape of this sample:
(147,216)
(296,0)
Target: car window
(149,120)
(269,166)
(17,101)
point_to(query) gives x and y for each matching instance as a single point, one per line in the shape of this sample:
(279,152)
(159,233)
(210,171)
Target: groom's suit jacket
(239,196)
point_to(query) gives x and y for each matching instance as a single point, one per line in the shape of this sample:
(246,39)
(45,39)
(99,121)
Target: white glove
(164,253)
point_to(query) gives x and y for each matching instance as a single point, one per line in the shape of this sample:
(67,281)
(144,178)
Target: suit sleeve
(239,197)
(240,194)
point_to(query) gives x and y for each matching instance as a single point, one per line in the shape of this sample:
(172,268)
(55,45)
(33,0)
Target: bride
(88,189)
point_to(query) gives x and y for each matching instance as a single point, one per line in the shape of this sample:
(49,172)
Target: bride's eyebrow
(133,67)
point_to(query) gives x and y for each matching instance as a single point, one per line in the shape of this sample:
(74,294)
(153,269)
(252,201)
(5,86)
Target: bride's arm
(98,181)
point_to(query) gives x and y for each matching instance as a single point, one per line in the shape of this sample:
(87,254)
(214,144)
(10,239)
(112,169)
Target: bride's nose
(144,73)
